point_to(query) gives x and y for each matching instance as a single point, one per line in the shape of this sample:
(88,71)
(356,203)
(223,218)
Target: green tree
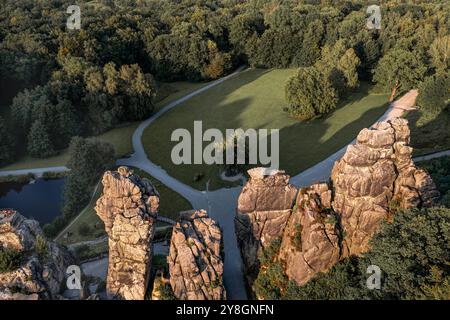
(39,144)
(434,94)
(410,252)
(440,53)
(309,93)
(88,159)
(399,70)
(7,151)
(348,64)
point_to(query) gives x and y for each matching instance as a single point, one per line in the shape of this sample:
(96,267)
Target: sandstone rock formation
(264,206)
(195,259)
(328,222)
(374,178)
(128,207)
(311,239)
(42,269)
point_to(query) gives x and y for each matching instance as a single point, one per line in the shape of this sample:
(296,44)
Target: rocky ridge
(42,264)
(326,222)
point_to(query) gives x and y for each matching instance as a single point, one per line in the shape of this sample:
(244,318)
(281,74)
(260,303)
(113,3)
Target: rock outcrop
(41,267)
(375,177)
(195,258)
(128,207)
(264,207)
(311,239)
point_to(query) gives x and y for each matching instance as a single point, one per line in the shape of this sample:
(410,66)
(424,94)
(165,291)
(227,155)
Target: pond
(40,199)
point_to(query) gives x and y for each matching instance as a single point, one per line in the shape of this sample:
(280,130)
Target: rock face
(195,260)
(311,239)
(375,177)
(128,207)
(264,207)
(42,267)
(328,222)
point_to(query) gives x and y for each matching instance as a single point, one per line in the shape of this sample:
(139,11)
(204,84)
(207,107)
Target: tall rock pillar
(128,207)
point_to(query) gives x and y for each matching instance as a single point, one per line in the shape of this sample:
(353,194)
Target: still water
(40,200)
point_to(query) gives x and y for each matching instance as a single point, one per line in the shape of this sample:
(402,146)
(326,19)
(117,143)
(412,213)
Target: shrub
(84,229)
(271,279)
(41,246)
(167,292)
(9,259)
(439,169)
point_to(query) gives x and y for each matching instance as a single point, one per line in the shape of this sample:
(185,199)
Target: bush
(9,259)
(271,279)
(41,246)
(167,292)
(84,229)
(439,169)
(82,251)
(342,282)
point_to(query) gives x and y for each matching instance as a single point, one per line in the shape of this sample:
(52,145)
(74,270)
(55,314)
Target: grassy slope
(171,203)
(119,137)
(255,99)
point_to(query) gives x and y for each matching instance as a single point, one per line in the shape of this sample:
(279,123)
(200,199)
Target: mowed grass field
(171,203)
(120,137)
(255,99)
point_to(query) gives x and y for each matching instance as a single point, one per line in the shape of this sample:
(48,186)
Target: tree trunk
(394,91)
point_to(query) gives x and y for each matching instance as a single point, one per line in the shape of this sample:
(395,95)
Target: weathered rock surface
(43,264)
(264,207)
(195,259)
(375,177)
(310,242)
(128,207)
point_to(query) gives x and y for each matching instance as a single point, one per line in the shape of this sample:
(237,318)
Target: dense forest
(58,83)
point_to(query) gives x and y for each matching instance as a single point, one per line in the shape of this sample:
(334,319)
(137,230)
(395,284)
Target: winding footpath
(221,204)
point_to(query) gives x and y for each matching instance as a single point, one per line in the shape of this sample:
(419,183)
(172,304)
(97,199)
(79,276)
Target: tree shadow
(432,136)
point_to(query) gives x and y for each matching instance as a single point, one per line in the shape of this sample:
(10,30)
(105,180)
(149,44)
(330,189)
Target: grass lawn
(171,203)
(255,99)
(119,137)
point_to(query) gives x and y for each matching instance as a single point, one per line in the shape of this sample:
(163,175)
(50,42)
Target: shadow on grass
(432,136)
(302,144)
